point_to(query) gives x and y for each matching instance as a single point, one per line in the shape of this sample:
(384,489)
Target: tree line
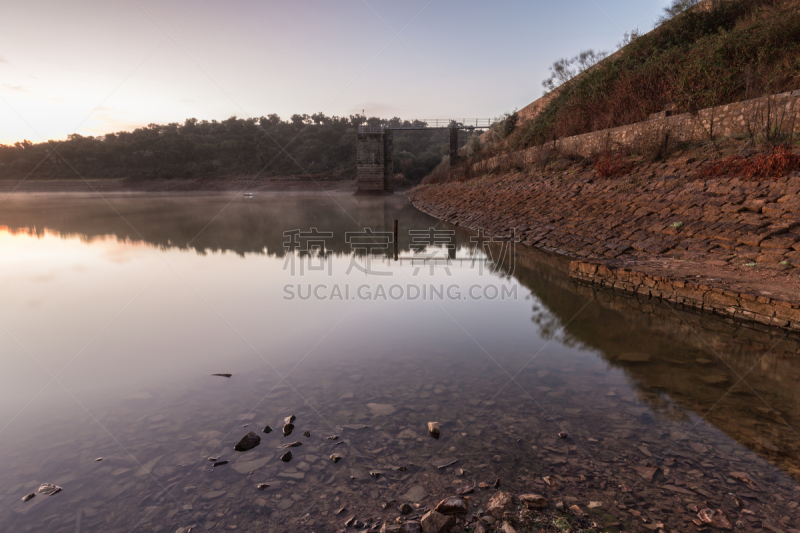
(305,145)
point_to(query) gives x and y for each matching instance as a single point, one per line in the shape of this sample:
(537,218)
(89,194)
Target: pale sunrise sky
(92,66)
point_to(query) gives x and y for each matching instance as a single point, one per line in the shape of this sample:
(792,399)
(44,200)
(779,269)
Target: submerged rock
(534,501)
(307,434)
(29,497)
(289,419)
(49,489)
(263,486)
(433,429)
(336,457)
(333,437)
(287,429)
(248,442)
(293,444)
(286,457)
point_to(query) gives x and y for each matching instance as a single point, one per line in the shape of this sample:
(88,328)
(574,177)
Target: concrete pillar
(374,161)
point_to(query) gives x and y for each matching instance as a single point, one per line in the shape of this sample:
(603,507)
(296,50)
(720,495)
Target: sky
(97,66)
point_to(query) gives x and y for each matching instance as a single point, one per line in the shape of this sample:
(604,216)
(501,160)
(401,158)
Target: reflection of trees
(688,357)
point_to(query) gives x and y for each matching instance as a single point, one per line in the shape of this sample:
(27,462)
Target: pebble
(333,437)
(222,375)
(307,434)
(262,486)
(220,463)
(29,497)
(433,429)
(289,419)
(293,444)
(267,429)
(562,434)
(99,459)
(336,457)
(286,457)
(406,509)
(287,429)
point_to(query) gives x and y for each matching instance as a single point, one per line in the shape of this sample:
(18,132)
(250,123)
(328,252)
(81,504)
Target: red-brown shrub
(777,163)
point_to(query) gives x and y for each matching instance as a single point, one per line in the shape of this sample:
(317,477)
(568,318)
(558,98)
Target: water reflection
(130,304)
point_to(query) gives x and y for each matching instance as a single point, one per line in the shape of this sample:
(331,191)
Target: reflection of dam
(695,360)
(690,359)
(215,223)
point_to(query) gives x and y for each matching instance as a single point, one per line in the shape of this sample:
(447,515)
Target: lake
(117,311)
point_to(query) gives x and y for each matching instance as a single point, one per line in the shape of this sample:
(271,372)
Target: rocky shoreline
(727,246)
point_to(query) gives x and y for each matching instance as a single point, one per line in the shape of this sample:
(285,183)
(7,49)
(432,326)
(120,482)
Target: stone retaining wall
(743,306)
(750,117)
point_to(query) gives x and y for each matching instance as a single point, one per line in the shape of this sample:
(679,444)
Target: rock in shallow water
(286,457)
(49,489)
(499,504)
(433,429)
(29,497)
(293,444)
(287,429)
(248,442)
(222,375)
(433,522)
(336,457)
(267,429)
(452,505)
(534,501)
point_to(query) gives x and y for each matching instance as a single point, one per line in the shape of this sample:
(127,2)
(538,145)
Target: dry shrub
(775,164)
(612,164)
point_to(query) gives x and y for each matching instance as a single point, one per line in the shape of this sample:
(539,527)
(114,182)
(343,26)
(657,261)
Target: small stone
(49,489)
(452,505)
(406,509)
(350,521)
(496,483)
(433,429)
(562,434)
(387,505)
(434,522)
(29,497)
(293,444)
(286,457)
(289,419)
(499,504)
(375,474)
(287,429)
(577,511)
(341,510)
(267,429)
(220,463)
(336,457)
(307,434)
(263,486)
(716,518)
(551,482)
(534,501)
(222,375)
(594,505)
(401,468)
(212,459)
(99,459)
(483,485)
(333,437)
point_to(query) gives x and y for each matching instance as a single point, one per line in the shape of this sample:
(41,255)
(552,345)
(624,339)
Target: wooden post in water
(394,232)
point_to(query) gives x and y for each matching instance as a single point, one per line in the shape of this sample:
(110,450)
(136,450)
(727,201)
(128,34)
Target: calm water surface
(115,312)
